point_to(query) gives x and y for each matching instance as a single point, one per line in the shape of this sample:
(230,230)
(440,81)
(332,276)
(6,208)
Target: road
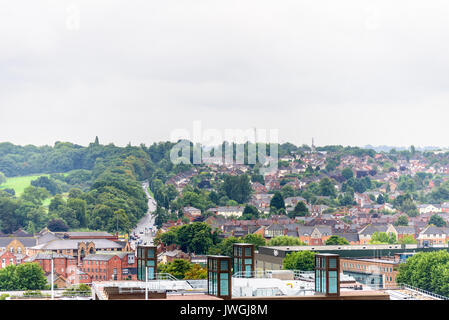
(145,229)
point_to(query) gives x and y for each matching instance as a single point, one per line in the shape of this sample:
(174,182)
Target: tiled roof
(26,241)
(73,244)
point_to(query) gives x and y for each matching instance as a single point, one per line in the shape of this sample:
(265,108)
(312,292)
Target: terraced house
(107,266)
(432,235)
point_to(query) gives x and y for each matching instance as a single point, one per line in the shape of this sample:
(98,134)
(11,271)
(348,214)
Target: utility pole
(146,283)
(52,278)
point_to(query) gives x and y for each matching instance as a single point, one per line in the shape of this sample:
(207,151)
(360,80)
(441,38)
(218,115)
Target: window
(332,281)
(224,288)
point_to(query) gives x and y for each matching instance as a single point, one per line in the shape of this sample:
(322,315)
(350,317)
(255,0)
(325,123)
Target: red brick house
(64,266)
(108,266)
(7,258)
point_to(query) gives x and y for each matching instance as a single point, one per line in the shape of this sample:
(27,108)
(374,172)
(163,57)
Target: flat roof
(335,247)
(372,260)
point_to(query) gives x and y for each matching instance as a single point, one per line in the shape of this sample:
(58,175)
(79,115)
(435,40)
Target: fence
(297,274)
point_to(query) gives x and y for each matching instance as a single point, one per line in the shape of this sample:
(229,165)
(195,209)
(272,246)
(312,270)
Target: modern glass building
(146,257)
(243,260)
(327,274)
(219,276)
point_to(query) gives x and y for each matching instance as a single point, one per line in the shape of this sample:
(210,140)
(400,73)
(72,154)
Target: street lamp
(146,283)
(52,278)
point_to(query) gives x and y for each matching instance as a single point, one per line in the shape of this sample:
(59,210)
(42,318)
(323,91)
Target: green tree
(196,272)
(285,241)
(300,210)
(336,240)
(2,178)
(47,183)
(57,225)
(327,188)
(380,199)
(255,239)
(250,212)
(402,221)
(121,222)
(299,260)
(9,220)
(35,195)
(79,207)
(237,188)
(26,276)
(383,237)
(426,270)
(437,220)
(287,191)
(347,173)
(407,239)
(178,268)
(225,246)
(169,237)
(196,237)
(277,202)
(348,198)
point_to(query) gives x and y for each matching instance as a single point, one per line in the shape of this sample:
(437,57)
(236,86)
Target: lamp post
(52,278)
(146,283)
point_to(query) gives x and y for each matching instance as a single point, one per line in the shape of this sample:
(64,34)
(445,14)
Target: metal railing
(422,291)
(297,274)
(164,276)
(253,274)
(403,286)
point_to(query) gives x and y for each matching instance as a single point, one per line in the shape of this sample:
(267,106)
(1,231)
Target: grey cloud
(347,72)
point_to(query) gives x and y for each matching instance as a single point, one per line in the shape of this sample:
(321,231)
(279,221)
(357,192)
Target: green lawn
(20,183)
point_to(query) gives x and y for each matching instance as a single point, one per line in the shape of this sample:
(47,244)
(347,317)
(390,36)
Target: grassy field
(20,183)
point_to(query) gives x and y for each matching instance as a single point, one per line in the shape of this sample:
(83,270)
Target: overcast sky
(350,72)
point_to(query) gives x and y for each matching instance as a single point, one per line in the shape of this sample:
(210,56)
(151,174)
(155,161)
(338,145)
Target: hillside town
(346,195)
(330,199)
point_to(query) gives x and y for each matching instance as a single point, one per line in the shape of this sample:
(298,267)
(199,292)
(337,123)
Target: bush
(300,260)
(80,290)
(4,296)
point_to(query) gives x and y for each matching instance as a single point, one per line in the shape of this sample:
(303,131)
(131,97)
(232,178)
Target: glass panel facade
(139,274)
(248,270)
(332,263)
(146,258)
(243,261)
(224,265)
(209,283)
(327,268)
(323,281)
(332,281)
(318,281)
(224,288)
(150,273)
(219,278)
